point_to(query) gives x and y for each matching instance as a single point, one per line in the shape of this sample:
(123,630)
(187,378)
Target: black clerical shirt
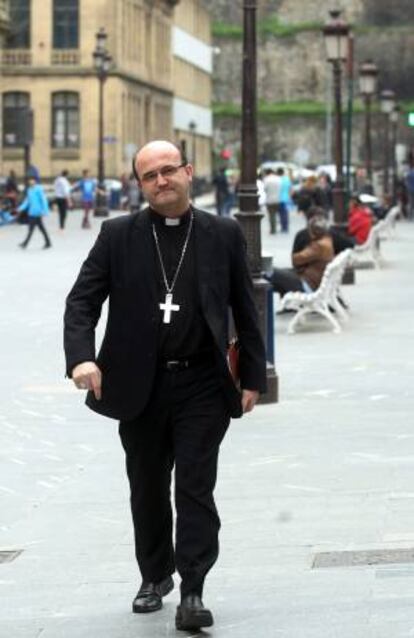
(187,334)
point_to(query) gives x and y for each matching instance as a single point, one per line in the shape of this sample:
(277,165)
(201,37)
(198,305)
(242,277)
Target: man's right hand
(87,376)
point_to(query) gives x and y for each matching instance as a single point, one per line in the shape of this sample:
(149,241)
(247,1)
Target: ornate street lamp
(336,34)
(394,119)
(368,73)
(387,101)
(102,62)
(249,216)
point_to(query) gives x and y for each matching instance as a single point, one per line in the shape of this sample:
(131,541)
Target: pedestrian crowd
(31,203)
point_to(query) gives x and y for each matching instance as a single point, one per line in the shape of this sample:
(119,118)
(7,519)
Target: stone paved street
(329,468)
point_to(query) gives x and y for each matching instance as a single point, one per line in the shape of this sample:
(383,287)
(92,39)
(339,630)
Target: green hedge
(272,109)
(292,109)
(273,27)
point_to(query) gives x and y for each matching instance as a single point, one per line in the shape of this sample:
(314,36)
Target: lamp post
(350,114)
(368,74)
(394,119)
(102,61)
(249,216)
(387,100)
(192,125)
(336,35)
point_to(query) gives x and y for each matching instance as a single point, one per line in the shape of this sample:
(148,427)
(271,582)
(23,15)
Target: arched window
(19,26)
(65,120)
(65,24)
(15,113)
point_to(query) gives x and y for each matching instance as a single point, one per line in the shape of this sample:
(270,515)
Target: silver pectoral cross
(168,306)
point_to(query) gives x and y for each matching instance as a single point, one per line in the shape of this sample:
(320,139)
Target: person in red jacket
(359,220)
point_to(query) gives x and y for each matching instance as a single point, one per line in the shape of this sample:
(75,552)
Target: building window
(65,120)
(65,24)
(15,109)
(19,26)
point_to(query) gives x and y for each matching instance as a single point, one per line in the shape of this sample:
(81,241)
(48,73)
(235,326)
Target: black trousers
(62,204)
(33,223)
(182,425)
(284,280)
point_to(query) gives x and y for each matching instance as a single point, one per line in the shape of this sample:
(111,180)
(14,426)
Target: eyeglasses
(165,171)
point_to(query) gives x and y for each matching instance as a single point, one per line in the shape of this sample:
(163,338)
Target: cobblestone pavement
(329,468)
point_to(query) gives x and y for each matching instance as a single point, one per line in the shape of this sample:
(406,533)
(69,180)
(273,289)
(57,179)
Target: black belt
(175,365)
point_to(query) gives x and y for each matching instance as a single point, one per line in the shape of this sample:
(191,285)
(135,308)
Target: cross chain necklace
(168,306)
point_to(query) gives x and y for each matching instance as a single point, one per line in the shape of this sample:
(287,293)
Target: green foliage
(272,109)
(271,26)
(223,30)
(407,107)
(281,109)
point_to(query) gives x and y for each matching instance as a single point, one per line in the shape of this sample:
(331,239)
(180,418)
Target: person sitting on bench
(309,264)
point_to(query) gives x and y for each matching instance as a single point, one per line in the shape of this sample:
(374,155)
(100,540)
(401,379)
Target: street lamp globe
(387,100)
(368,73)
(336,33)
(101,38)
(107,62)
(97,60)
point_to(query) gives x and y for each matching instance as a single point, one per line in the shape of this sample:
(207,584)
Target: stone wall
(288,10)
(295,68)
(302,11)
(378,12)
(288,69)
(384,12)
(280,138)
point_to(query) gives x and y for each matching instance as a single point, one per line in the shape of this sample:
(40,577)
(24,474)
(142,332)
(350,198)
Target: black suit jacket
(121,266)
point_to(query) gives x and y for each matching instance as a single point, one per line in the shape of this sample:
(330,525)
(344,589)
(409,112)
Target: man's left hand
(249,400)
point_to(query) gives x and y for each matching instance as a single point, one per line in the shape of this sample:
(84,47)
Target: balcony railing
(65,57)
(16,57)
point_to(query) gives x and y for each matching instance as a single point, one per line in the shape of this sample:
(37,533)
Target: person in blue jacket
(87,186)
(36,205)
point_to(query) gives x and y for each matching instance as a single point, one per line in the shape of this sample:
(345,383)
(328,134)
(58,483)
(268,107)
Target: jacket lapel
(143,255)
(204,252)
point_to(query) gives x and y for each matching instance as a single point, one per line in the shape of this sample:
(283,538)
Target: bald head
(155,147)
(164,177)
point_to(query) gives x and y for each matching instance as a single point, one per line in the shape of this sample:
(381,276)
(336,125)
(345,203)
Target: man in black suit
(171,273)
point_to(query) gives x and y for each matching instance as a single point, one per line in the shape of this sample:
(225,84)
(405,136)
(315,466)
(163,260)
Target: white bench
(368,253)
(390,220)
(324,299)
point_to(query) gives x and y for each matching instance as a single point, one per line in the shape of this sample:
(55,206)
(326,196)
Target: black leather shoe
(191,614)
(149,596)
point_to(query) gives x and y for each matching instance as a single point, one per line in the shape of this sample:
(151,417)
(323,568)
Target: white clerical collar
(172,221)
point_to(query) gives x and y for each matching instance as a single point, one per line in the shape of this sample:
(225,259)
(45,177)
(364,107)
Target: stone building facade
(192,82)
(47,64)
